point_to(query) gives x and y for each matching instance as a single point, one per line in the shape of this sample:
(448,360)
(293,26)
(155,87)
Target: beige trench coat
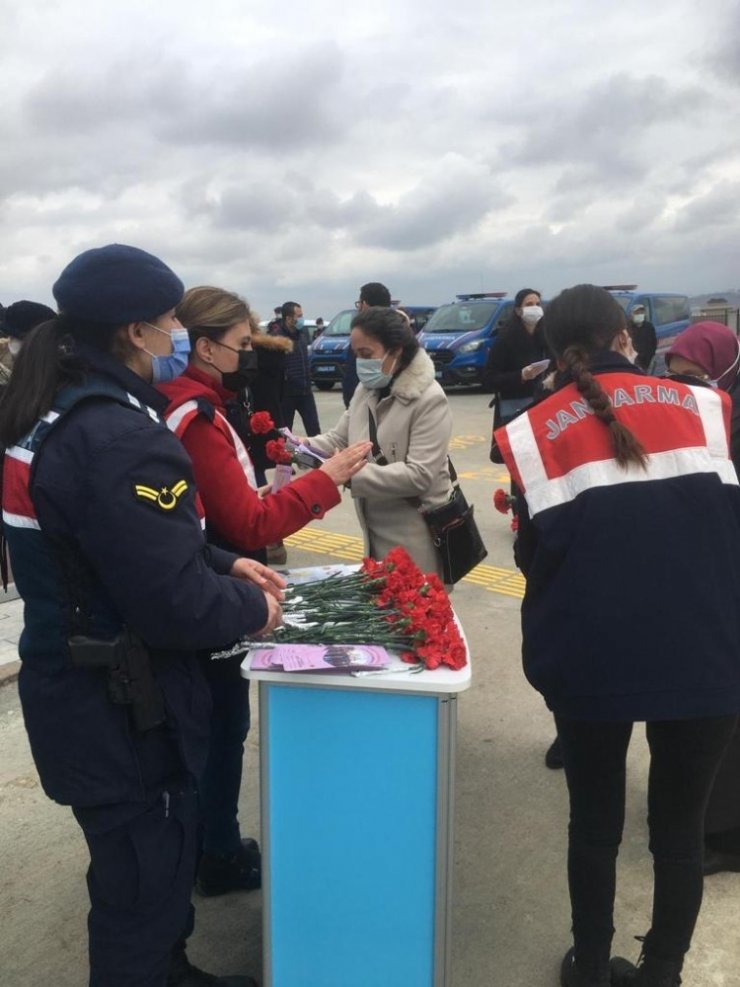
(414,426)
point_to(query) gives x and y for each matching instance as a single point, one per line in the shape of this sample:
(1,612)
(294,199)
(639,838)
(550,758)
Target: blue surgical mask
(168,367)
(370,372)
(300,322)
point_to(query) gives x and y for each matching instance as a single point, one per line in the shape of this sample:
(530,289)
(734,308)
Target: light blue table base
(357,804)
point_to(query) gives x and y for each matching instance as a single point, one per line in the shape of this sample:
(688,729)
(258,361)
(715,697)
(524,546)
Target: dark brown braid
(627,448)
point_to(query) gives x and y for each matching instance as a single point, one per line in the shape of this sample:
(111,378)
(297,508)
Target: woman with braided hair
(626,479)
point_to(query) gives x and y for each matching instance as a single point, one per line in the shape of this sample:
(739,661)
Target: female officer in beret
(120,590)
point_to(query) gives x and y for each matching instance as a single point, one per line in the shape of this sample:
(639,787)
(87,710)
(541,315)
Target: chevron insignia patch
(164,498)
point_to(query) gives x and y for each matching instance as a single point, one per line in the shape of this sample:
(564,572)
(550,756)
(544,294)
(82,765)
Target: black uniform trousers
(140,879)
(684,757)
(221,781)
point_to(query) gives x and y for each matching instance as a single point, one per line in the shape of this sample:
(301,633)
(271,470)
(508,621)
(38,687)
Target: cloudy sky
(295,149)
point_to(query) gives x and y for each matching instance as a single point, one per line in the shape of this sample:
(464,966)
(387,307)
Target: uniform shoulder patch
(163,498)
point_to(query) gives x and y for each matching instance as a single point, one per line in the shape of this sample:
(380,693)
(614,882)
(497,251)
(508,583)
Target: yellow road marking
(492,473)
(465,441)
(495,579)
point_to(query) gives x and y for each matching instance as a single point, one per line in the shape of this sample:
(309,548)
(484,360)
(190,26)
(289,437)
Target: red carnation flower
(261,423)
(277,452)
(502,501)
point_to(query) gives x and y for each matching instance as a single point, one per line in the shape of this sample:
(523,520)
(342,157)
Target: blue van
(329,351)
(459,336)
(669,312)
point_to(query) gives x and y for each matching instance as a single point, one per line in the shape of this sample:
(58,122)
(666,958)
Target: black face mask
(244,375)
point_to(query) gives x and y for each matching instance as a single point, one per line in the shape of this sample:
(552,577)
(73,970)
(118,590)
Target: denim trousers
(684,758)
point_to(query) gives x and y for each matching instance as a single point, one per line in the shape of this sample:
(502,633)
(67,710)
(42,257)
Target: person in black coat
(509,372)
(644,337)
(710,352)
(625,481)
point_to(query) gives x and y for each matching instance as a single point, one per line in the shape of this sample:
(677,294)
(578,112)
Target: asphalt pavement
(511,912)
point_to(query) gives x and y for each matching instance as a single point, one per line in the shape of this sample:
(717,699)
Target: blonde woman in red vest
(223,362)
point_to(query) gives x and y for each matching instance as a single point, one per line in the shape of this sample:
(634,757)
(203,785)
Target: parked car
(329,351)
(459,336)
(669,312)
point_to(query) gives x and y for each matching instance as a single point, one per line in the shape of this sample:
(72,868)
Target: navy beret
(22,317)
(117,284)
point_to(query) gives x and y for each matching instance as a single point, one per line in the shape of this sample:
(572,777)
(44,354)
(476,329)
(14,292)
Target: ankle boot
(650,972)
(573,975)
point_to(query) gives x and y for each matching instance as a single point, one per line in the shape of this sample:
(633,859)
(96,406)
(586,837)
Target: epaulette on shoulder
(206,408)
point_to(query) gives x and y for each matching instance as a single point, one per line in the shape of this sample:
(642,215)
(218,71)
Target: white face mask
(715,383)
(638,318)
(531,314)
(14,346)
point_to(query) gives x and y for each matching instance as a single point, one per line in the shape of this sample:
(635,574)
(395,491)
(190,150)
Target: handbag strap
(380,458)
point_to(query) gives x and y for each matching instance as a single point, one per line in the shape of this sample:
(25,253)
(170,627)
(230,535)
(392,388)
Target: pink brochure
(319,657)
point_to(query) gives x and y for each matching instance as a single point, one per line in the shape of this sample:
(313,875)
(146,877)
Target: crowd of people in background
(136,491)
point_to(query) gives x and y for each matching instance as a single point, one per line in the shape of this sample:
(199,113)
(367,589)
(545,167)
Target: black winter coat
(514,349)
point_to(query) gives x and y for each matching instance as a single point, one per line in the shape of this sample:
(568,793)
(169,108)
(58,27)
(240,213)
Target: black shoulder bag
(452,526)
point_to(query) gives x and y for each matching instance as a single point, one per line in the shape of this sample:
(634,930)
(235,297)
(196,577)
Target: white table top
(441,681)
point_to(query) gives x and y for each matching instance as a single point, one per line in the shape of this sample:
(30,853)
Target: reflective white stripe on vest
(710,411)
(19,521)
(542,492)
(241,453)
(19,453)
(176,418)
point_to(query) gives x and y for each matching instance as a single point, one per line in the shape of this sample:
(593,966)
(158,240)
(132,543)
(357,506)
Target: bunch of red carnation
(420,608)
(503,501)
(261,423)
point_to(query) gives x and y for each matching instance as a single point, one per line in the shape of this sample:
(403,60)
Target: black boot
(184,974)
(650,972)
(554,755)
(573,975)
(242,871)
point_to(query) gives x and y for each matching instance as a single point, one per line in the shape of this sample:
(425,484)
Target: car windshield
(461,318)
(340,324)
(623,300)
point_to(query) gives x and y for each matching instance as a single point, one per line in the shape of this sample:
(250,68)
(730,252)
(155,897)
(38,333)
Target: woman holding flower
(246,519)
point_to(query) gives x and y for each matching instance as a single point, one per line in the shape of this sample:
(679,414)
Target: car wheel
(324,385)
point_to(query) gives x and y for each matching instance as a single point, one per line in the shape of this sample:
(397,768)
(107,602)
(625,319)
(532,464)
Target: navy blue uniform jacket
(112,483)
(632,605)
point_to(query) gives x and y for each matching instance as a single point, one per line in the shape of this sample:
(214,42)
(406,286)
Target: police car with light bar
(459,336)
